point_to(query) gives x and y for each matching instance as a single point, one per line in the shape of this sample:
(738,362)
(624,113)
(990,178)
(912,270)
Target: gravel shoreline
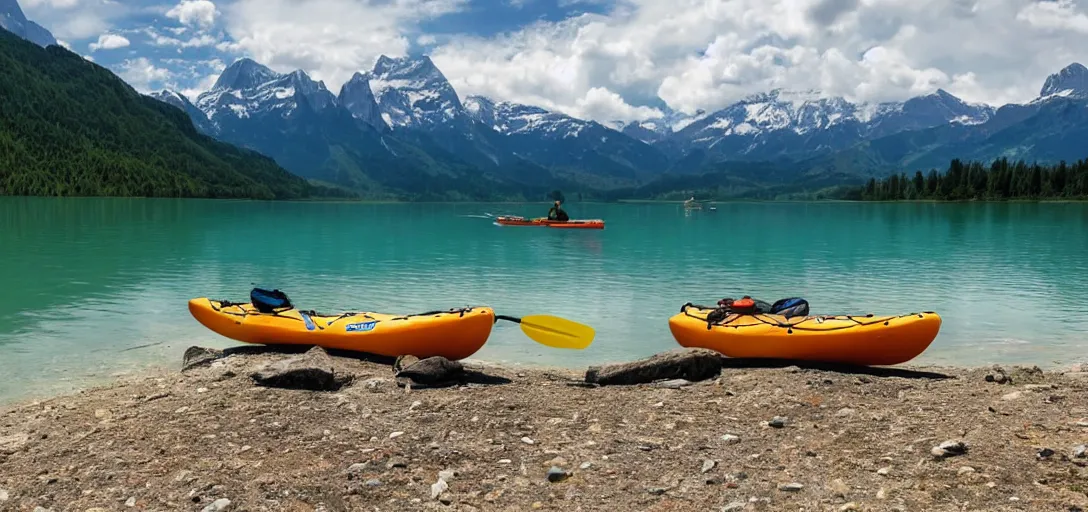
(753,437)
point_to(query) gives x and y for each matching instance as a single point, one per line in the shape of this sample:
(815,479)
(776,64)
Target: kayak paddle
(553,331)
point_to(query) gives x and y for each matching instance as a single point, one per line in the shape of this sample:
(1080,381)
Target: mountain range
(400,130)
(400,125)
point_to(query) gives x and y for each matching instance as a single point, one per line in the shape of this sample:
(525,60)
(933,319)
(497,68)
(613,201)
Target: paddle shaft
(508,318)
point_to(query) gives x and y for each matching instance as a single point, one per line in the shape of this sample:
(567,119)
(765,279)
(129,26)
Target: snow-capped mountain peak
(247,89)
(244,73)
(1070,82)
(514,118)
(411,91)
(357,97)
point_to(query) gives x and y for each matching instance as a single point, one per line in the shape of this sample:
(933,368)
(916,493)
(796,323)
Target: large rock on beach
(691,364)
(433,371)
(312,371)
(195,357)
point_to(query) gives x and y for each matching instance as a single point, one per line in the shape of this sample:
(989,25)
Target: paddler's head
(557,202)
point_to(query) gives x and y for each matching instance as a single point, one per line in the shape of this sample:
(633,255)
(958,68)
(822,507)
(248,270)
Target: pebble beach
(340,433)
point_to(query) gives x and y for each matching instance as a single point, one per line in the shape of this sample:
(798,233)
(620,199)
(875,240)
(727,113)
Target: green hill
(69,127)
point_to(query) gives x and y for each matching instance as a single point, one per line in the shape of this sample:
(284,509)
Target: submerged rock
(311,371)
(690,364)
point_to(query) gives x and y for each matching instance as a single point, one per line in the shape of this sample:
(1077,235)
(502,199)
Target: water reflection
(85,280)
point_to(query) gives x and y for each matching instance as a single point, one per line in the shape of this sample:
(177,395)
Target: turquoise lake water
(94,288)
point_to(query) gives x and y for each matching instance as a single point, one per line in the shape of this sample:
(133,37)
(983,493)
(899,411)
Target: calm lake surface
(94,288)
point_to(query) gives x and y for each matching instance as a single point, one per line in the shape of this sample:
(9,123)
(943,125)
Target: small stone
(839,488)
(672,383)
(557,474)
(708,465)
(537,504)
(791,487)
(883,471)
(845,411)
(358,467)
(438,488)
(396,434)
(396,464)
(777,422)
(1012,396)
(733,507)
(131,502)
(447,475)
(656,491)
(373,482)
(1045,453)
(218,505)
(849,506)
(201,390)
(949,449)
(965,470)
(415,404)
(1079,452)
(731,439)
(585,465)
(505,461)
(102,414)
(4,495)
(527,440)
(181,410)
(881,494)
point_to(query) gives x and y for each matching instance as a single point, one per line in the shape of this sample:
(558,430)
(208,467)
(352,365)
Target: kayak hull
(562,224)
(454,334)
(861,340)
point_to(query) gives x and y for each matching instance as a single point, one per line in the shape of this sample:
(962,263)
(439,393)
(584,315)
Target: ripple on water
(88,280)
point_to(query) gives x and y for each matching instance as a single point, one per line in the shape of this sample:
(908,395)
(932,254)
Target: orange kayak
(568,224)
(454,334)
(862,340)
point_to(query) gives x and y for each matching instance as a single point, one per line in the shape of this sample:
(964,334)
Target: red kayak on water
(568,224)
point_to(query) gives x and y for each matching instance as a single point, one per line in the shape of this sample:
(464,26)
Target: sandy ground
(209,439)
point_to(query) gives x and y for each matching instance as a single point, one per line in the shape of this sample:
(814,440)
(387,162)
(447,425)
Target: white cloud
(197,41)
(202,86)
(691,54)
(330,39)
(194,12)
(706,54)
(75,20)
(109,42)
(142,74)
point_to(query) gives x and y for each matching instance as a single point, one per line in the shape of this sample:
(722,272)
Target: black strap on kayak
(795,325)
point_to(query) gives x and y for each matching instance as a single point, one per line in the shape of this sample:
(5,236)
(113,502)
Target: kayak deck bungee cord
(850,339)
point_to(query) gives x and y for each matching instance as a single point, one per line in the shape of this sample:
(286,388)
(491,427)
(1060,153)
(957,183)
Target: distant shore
(750,437)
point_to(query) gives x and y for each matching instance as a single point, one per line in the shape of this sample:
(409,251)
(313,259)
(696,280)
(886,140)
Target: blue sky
(599,59)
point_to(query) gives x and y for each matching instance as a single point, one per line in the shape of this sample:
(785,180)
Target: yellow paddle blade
(557,332)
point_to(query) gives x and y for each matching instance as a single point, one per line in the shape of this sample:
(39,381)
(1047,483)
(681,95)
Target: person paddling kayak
(556,213)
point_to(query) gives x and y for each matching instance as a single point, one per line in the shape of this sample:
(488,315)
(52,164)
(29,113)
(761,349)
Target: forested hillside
(69,127)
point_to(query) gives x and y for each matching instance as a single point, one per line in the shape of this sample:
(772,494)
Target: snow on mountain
(1070,82)
(357,96)
(13,20)
(412,92)
(808,121)
(512,118)
(200,120)
(248,89)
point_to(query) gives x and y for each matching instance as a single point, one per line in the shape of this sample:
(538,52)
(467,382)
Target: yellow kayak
(862,340)
(454,334)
